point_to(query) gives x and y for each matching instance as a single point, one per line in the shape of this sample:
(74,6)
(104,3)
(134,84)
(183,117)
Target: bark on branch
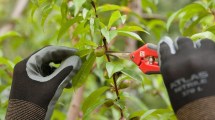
(74,109)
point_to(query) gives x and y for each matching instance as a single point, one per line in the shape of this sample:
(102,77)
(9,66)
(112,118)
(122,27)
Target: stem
(94,6)
(115,85)
(109,60)
(106,48)
(114,75)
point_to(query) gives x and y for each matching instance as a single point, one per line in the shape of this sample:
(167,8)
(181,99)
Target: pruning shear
(146,57)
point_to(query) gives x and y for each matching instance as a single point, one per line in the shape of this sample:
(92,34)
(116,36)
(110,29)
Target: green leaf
(137,101)
(33,9)
(108,7)
(93,100)
(64,9)
(2,113)
(35,2)
(9,34)
(65,27)
(189,19)
(109,35)
(171,18)
(114,17)
(113,67)
(132,74)
(136,114)
(84,12)
(211,29)
(7,62)
(149,5)
(83,53)
(93,107)
(131,28)
(147,113)
(58,115)
(164,113)
(78,4)
(2,87)
(45,12)
(102,25)
(92,25)
(83,44)
(80,29)
(90,43)
(84,71)
(154,24)
(41,2)
(189,9)
(203,35)
(130,34)
(123,18)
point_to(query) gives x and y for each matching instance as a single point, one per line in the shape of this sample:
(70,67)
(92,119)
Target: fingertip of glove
(184,43)
(205,43)
(59,48)
(164,42)
(198,43)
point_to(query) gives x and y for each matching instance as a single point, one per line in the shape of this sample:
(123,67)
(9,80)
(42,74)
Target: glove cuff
(23,110)
(201,109)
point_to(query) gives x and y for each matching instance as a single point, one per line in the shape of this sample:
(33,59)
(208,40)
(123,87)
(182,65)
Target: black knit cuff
(201,109)
(23,110)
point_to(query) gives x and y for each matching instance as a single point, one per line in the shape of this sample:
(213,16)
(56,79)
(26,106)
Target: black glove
(36,86)
(188,71)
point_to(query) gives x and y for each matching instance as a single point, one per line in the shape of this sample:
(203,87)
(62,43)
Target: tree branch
(74,109)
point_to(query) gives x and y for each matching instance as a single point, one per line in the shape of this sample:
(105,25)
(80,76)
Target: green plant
(114,88)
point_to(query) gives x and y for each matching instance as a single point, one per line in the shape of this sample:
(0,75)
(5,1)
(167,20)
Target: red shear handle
(145,57)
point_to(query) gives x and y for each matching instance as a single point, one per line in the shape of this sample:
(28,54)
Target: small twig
(94,6)
(109,60)
(106,48)
(114,75)
(115,86)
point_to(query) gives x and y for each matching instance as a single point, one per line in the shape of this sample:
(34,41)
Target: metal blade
(121,55)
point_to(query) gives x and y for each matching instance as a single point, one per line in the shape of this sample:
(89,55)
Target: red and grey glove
(188,70)
(36,86)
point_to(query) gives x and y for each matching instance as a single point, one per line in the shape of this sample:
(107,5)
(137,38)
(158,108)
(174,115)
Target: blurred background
(23,31)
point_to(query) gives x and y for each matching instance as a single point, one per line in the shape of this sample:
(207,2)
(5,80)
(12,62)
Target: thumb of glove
(64,73)
(68,68)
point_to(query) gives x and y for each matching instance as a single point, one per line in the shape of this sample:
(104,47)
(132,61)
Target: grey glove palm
(36,86)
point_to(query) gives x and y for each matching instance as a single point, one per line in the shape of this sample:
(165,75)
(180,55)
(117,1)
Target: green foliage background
(85,25)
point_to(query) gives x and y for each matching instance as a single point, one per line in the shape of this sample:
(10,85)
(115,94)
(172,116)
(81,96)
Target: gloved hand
(188,70)
(36,86)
